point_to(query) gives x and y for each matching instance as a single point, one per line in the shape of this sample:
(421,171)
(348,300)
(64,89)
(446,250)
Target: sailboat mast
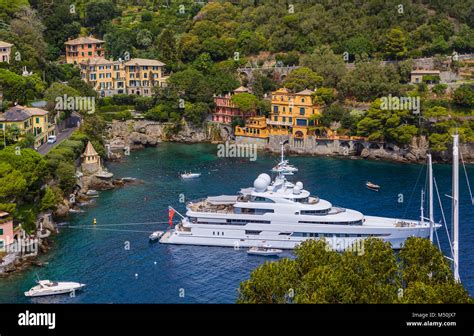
(430,195)
(455,207)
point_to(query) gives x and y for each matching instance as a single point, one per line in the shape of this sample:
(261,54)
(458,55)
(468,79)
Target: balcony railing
(279,123)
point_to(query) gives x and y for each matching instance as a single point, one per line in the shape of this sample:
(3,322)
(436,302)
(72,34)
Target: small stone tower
(90,160)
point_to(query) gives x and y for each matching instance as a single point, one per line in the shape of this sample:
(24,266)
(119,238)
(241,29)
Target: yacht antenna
(282,151)
(430,195)
(455,207)
(422,214)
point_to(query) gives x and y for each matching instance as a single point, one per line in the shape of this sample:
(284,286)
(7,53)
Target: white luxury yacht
(283,215)
(46,287)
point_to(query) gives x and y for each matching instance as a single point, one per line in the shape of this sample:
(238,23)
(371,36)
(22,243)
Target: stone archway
(373,145)
(299,134)
(358,148)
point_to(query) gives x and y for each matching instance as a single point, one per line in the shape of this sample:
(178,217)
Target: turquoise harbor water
(154,273)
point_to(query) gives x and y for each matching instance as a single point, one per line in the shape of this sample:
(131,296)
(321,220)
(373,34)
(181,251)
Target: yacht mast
(455,207)
(430,195)
(282,152)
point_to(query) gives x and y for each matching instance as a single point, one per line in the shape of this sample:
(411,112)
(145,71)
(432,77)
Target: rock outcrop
(135,134)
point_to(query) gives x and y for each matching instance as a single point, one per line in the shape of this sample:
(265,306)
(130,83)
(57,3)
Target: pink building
(226,110)
(6,229)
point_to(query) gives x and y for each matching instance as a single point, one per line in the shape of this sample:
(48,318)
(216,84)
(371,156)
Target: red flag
(170,215)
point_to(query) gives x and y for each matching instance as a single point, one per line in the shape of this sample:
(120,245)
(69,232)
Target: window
(1,232)
(301,110)
(302,100)
(252,232)
(314,212)
(301,122)
(275,109)
(283,119)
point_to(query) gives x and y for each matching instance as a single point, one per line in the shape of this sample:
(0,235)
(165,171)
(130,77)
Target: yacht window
(262,199)
(334,223)
(251,232)
(314,212)
(254,211)
(284,233)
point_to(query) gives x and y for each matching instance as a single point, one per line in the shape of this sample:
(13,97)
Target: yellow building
(255,127)
(293,113)
(106,76)
(137,76)
(141,75)
(28,120)
(5,51)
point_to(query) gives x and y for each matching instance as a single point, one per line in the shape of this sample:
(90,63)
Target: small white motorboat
(190,175)
(92,193)
(265,251)
(155,235)
(47,287)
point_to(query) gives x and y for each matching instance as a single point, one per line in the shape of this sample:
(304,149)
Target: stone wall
(135,134)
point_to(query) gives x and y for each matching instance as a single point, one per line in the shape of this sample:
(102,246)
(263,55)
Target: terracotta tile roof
(84,40)
(90,151)
(15,113)
(5,44)
(143,61)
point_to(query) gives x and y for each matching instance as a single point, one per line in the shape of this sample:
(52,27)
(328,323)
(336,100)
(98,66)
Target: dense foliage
(375,274)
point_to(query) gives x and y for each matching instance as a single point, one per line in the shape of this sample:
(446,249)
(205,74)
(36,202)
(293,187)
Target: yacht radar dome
(299,185)
(296,190)
(260,184)
(266,177)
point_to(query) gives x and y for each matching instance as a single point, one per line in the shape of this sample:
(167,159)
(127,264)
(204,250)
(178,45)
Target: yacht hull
(238,239)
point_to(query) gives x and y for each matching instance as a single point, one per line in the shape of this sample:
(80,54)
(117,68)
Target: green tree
(302,78)
(395,44)
(439,89)
(464,95)
(246,102)
(66,173)
(324,62)
(370,274)
(48,202)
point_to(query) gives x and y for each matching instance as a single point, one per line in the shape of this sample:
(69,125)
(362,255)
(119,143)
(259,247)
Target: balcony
(279,123)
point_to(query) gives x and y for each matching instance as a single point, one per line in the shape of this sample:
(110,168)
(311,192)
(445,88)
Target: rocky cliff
(135,134)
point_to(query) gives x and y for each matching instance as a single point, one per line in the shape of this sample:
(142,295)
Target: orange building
(83,48)
(255,127)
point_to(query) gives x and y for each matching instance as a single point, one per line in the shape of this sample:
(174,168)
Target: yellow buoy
(94,221)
